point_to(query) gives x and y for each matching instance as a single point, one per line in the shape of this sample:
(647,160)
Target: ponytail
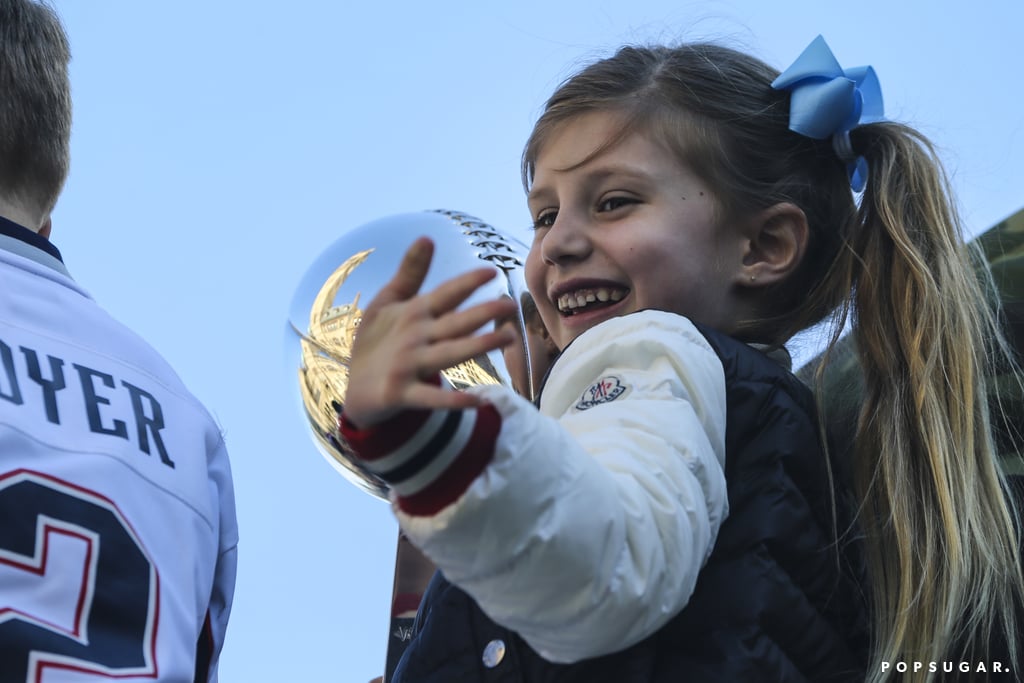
(941,534)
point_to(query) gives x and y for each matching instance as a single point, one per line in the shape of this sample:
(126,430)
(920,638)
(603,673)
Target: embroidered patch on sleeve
(606,389)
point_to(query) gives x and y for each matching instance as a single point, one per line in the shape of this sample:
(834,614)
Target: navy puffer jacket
(779,600)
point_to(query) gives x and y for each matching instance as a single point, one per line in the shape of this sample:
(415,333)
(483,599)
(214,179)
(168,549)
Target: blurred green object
(1002,246)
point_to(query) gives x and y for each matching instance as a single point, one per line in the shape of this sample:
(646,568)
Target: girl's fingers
(449,294)
(461,323)
(407,280)
(433,397)
(446,354)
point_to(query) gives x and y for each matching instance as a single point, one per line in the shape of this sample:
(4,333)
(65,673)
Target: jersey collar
(24,242)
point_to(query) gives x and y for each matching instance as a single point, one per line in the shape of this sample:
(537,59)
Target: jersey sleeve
(211,640)
(587,522)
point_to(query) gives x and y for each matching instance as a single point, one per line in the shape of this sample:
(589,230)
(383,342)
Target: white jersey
(117,517)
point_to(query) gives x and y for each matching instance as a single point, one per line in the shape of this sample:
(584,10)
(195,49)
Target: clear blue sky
(219,147)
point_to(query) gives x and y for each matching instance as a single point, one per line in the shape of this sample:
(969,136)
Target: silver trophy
(324,319)
(327,307)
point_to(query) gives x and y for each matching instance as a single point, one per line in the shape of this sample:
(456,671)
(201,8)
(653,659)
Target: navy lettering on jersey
(93,401)
(98,389)
(150,423)
(50,386)
(111,627)
(9,389)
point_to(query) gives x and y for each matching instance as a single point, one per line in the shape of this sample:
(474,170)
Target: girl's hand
(405,339)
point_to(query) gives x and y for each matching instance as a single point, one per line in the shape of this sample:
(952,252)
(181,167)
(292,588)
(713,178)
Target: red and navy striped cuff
(429,458)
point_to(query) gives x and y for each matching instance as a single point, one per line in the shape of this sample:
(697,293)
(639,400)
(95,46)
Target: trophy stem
(413,572)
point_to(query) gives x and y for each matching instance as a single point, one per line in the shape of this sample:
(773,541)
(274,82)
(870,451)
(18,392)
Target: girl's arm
(583,526)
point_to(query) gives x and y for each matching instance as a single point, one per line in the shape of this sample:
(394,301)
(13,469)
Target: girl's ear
(775,243)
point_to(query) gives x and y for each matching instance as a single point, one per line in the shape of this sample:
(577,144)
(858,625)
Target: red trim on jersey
(40,569)
(467,466)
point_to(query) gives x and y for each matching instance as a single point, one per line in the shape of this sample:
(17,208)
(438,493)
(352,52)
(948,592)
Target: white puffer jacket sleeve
(586,531)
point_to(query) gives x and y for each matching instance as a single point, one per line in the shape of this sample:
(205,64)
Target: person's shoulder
(643,348)
(648,328)
(145,364)
(127,346)
(132,357)
(758,358)
(746,364)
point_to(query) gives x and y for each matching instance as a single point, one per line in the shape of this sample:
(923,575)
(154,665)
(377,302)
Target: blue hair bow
(827,100)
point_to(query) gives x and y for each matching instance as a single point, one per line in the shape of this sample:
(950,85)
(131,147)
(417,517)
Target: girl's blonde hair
(940,531)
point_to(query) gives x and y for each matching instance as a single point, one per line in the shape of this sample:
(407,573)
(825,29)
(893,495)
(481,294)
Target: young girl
(669,512)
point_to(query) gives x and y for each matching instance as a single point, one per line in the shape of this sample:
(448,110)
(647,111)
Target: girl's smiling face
(623,230)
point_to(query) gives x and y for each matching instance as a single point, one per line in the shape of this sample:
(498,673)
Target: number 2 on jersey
(78,591)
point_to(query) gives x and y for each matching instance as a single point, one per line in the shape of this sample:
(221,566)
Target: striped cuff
(428,458)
